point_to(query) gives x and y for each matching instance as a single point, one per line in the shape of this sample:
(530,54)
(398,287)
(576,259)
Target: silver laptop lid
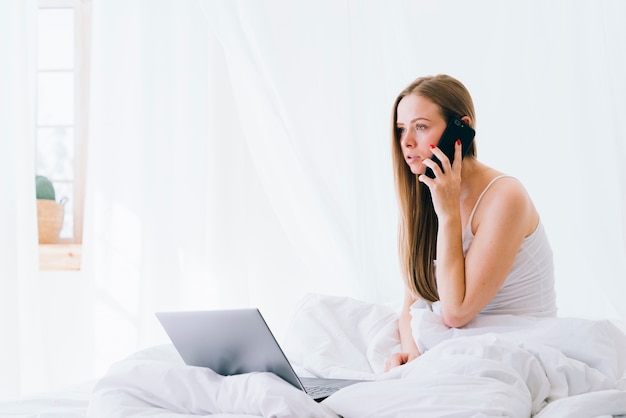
(227,341)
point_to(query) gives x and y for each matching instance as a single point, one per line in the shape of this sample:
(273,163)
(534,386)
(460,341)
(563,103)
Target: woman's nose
(409,140)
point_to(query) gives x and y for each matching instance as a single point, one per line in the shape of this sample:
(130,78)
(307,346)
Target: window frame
(66,254)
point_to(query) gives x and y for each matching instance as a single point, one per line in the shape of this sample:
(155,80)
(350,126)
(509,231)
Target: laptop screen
(229,342)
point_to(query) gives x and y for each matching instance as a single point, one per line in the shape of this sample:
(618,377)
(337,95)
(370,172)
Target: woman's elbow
(455,319)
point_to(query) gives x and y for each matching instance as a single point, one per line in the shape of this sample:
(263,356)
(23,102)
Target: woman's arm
(503,219)
(407,342)
(408,348)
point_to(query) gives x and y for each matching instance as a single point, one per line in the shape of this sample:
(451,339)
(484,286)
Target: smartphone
(456,129)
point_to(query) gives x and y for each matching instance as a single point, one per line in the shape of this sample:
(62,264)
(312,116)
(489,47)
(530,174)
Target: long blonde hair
(417,235)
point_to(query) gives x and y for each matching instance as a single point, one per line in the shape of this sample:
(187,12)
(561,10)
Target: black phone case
(456,129)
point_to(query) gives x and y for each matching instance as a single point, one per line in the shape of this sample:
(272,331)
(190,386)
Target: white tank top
(529,287)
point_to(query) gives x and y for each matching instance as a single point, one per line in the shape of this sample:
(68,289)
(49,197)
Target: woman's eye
(399,132)
(420,127)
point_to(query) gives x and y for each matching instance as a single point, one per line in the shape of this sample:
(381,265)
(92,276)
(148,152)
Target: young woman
(470,239)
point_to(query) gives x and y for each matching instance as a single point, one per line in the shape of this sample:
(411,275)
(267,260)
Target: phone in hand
(456,129)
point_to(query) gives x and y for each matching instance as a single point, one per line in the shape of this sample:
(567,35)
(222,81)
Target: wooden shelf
(60,256)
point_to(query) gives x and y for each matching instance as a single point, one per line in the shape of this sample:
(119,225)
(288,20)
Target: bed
(495,366)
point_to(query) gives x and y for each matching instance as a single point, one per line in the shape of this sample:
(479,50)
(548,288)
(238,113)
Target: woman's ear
(467,120)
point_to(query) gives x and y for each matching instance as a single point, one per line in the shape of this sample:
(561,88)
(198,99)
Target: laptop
(238,341)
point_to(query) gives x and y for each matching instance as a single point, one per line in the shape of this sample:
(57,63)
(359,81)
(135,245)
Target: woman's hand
(398,359)
(445,188)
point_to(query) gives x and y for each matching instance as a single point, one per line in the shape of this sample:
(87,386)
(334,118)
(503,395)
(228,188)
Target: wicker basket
(49,220)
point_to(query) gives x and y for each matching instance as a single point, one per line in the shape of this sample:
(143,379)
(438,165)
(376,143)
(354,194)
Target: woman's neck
(474,174)
(470,169)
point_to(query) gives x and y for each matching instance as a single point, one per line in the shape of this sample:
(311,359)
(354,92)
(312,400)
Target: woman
(470,239)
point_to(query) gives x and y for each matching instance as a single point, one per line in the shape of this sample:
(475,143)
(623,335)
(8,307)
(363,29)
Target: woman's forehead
(413,107)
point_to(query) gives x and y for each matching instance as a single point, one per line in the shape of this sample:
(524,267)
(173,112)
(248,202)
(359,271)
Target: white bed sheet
(496,366)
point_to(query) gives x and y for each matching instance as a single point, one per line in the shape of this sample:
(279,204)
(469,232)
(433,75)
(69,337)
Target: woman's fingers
(398,359)
(458,155)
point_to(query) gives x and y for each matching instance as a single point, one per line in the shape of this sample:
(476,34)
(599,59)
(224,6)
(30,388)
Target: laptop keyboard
(317,391)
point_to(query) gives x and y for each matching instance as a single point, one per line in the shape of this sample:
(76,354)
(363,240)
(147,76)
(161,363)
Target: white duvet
(496,366)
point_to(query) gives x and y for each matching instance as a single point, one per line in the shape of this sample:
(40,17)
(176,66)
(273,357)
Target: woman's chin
(417,170)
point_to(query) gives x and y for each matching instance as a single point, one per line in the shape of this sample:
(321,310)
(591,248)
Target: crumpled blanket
(156,383)
(505,366)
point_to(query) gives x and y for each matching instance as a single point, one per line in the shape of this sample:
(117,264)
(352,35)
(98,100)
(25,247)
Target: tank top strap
(471,217)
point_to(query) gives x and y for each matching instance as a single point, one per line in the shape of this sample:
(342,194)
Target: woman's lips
(414,163)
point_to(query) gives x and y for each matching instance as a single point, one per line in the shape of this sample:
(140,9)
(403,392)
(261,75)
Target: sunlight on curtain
(145,244)
(22,369)
(318,148)
(185,211)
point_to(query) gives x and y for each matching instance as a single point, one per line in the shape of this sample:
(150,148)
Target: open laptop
(238,341)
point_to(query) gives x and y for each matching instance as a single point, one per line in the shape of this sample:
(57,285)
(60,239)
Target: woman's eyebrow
(414,120)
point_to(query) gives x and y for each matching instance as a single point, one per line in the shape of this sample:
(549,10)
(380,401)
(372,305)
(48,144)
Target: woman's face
(420,124)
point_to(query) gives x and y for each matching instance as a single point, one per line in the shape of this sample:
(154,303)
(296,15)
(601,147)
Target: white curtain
(239,151)
(21,355)
(194,203)
(145,244)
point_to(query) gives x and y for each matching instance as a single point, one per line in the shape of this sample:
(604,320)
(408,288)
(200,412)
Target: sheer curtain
(194,203)
(145,243)
(20,322)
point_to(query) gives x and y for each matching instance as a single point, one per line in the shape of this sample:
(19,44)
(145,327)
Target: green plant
(45,189)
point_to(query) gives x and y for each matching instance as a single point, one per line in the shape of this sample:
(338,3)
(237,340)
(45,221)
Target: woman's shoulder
(505,196)
(506,184)
(492,181)
(509,187)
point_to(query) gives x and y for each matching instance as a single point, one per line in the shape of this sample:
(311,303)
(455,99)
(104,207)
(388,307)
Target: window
(62,72)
